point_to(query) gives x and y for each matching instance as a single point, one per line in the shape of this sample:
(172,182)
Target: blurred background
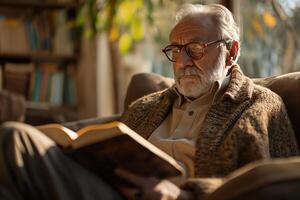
(73,59)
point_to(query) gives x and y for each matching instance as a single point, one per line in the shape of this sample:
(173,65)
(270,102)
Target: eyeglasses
(194,50)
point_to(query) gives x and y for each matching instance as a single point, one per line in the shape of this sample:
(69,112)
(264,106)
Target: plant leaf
(258,27)
(269,19)
(125,43)
(125,12)
(114,33)
(137,29)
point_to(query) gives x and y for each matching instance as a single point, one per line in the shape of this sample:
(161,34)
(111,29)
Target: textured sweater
(247,123)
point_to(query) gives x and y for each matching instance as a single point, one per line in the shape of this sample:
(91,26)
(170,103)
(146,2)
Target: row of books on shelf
(45,33)
(43,82)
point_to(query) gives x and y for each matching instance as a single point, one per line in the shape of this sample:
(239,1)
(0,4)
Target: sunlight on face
(193,78)
(193,82)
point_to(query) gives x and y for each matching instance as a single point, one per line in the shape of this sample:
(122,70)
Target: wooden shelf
(38,4)
(29,57)
(47,106)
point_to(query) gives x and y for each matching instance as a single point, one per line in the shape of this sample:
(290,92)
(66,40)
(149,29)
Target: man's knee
(20,143)
(20,135)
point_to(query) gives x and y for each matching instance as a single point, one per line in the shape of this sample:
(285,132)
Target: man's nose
(184,59)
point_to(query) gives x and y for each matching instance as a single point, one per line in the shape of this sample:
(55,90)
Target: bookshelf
(39,57)
(32,57)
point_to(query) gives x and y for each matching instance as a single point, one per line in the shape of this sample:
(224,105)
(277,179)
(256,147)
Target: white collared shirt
(177,134)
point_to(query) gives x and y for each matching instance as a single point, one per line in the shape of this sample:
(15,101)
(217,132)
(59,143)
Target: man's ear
(234,49)
(232,52)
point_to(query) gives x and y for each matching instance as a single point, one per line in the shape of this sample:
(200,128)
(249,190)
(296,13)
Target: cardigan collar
(220,118)
(237,85)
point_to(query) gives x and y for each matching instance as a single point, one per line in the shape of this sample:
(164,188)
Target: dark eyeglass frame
(203,45)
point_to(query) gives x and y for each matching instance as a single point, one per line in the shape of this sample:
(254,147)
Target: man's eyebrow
(194,40)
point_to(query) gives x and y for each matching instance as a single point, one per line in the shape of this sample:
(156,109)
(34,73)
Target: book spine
(70,94)
(37,85)
(56,94)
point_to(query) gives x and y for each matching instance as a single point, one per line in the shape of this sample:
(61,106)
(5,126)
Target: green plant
(125,21)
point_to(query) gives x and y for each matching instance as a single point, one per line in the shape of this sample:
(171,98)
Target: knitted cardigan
(248,123)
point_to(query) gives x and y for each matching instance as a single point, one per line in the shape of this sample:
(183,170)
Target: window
(270,37)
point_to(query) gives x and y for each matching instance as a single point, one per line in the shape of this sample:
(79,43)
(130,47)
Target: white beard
(205,80)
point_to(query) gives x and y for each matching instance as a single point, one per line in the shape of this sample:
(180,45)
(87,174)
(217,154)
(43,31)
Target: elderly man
(215,119)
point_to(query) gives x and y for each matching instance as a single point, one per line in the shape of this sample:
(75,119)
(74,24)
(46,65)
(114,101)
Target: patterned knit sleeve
(265,131)
(282,140)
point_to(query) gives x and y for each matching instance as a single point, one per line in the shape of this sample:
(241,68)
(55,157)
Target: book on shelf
(48,33)
(104,147)
(13,36)
(17,78)
(35,85)
(56,88)
(54,84)
(62,35)
(70,86)
(44,82)
(46,69)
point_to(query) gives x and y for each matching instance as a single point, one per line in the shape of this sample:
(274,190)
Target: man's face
(194,77)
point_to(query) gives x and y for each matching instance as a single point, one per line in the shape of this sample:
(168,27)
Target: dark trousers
(33,167)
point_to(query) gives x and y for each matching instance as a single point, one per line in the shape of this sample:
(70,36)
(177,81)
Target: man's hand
(151,188)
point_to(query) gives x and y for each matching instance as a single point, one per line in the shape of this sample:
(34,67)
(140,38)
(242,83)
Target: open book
(104,147)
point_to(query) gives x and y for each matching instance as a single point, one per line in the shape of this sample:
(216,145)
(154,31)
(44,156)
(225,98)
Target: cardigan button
(191,113)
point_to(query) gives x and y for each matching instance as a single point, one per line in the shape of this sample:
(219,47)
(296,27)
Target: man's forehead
(194,27)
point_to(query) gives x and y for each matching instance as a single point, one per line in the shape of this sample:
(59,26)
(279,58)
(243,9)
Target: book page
(122,152)
(105,148)
(95,133)
(59,134)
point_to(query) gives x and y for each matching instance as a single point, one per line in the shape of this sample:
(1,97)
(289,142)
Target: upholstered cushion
(145,83)
(287,86)
(12,106)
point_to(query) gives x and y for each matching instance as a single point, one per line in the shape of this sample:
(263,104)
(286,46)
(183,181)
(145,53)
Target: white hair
(228,27)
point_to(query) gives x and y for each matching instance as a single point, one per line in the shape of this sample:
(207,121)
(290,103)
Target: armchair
(271,179)
(276,179)
(287,86)
(12,106)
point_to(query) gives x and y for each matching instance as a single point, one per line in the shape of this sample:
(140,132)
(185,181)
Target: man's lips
(189,77)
